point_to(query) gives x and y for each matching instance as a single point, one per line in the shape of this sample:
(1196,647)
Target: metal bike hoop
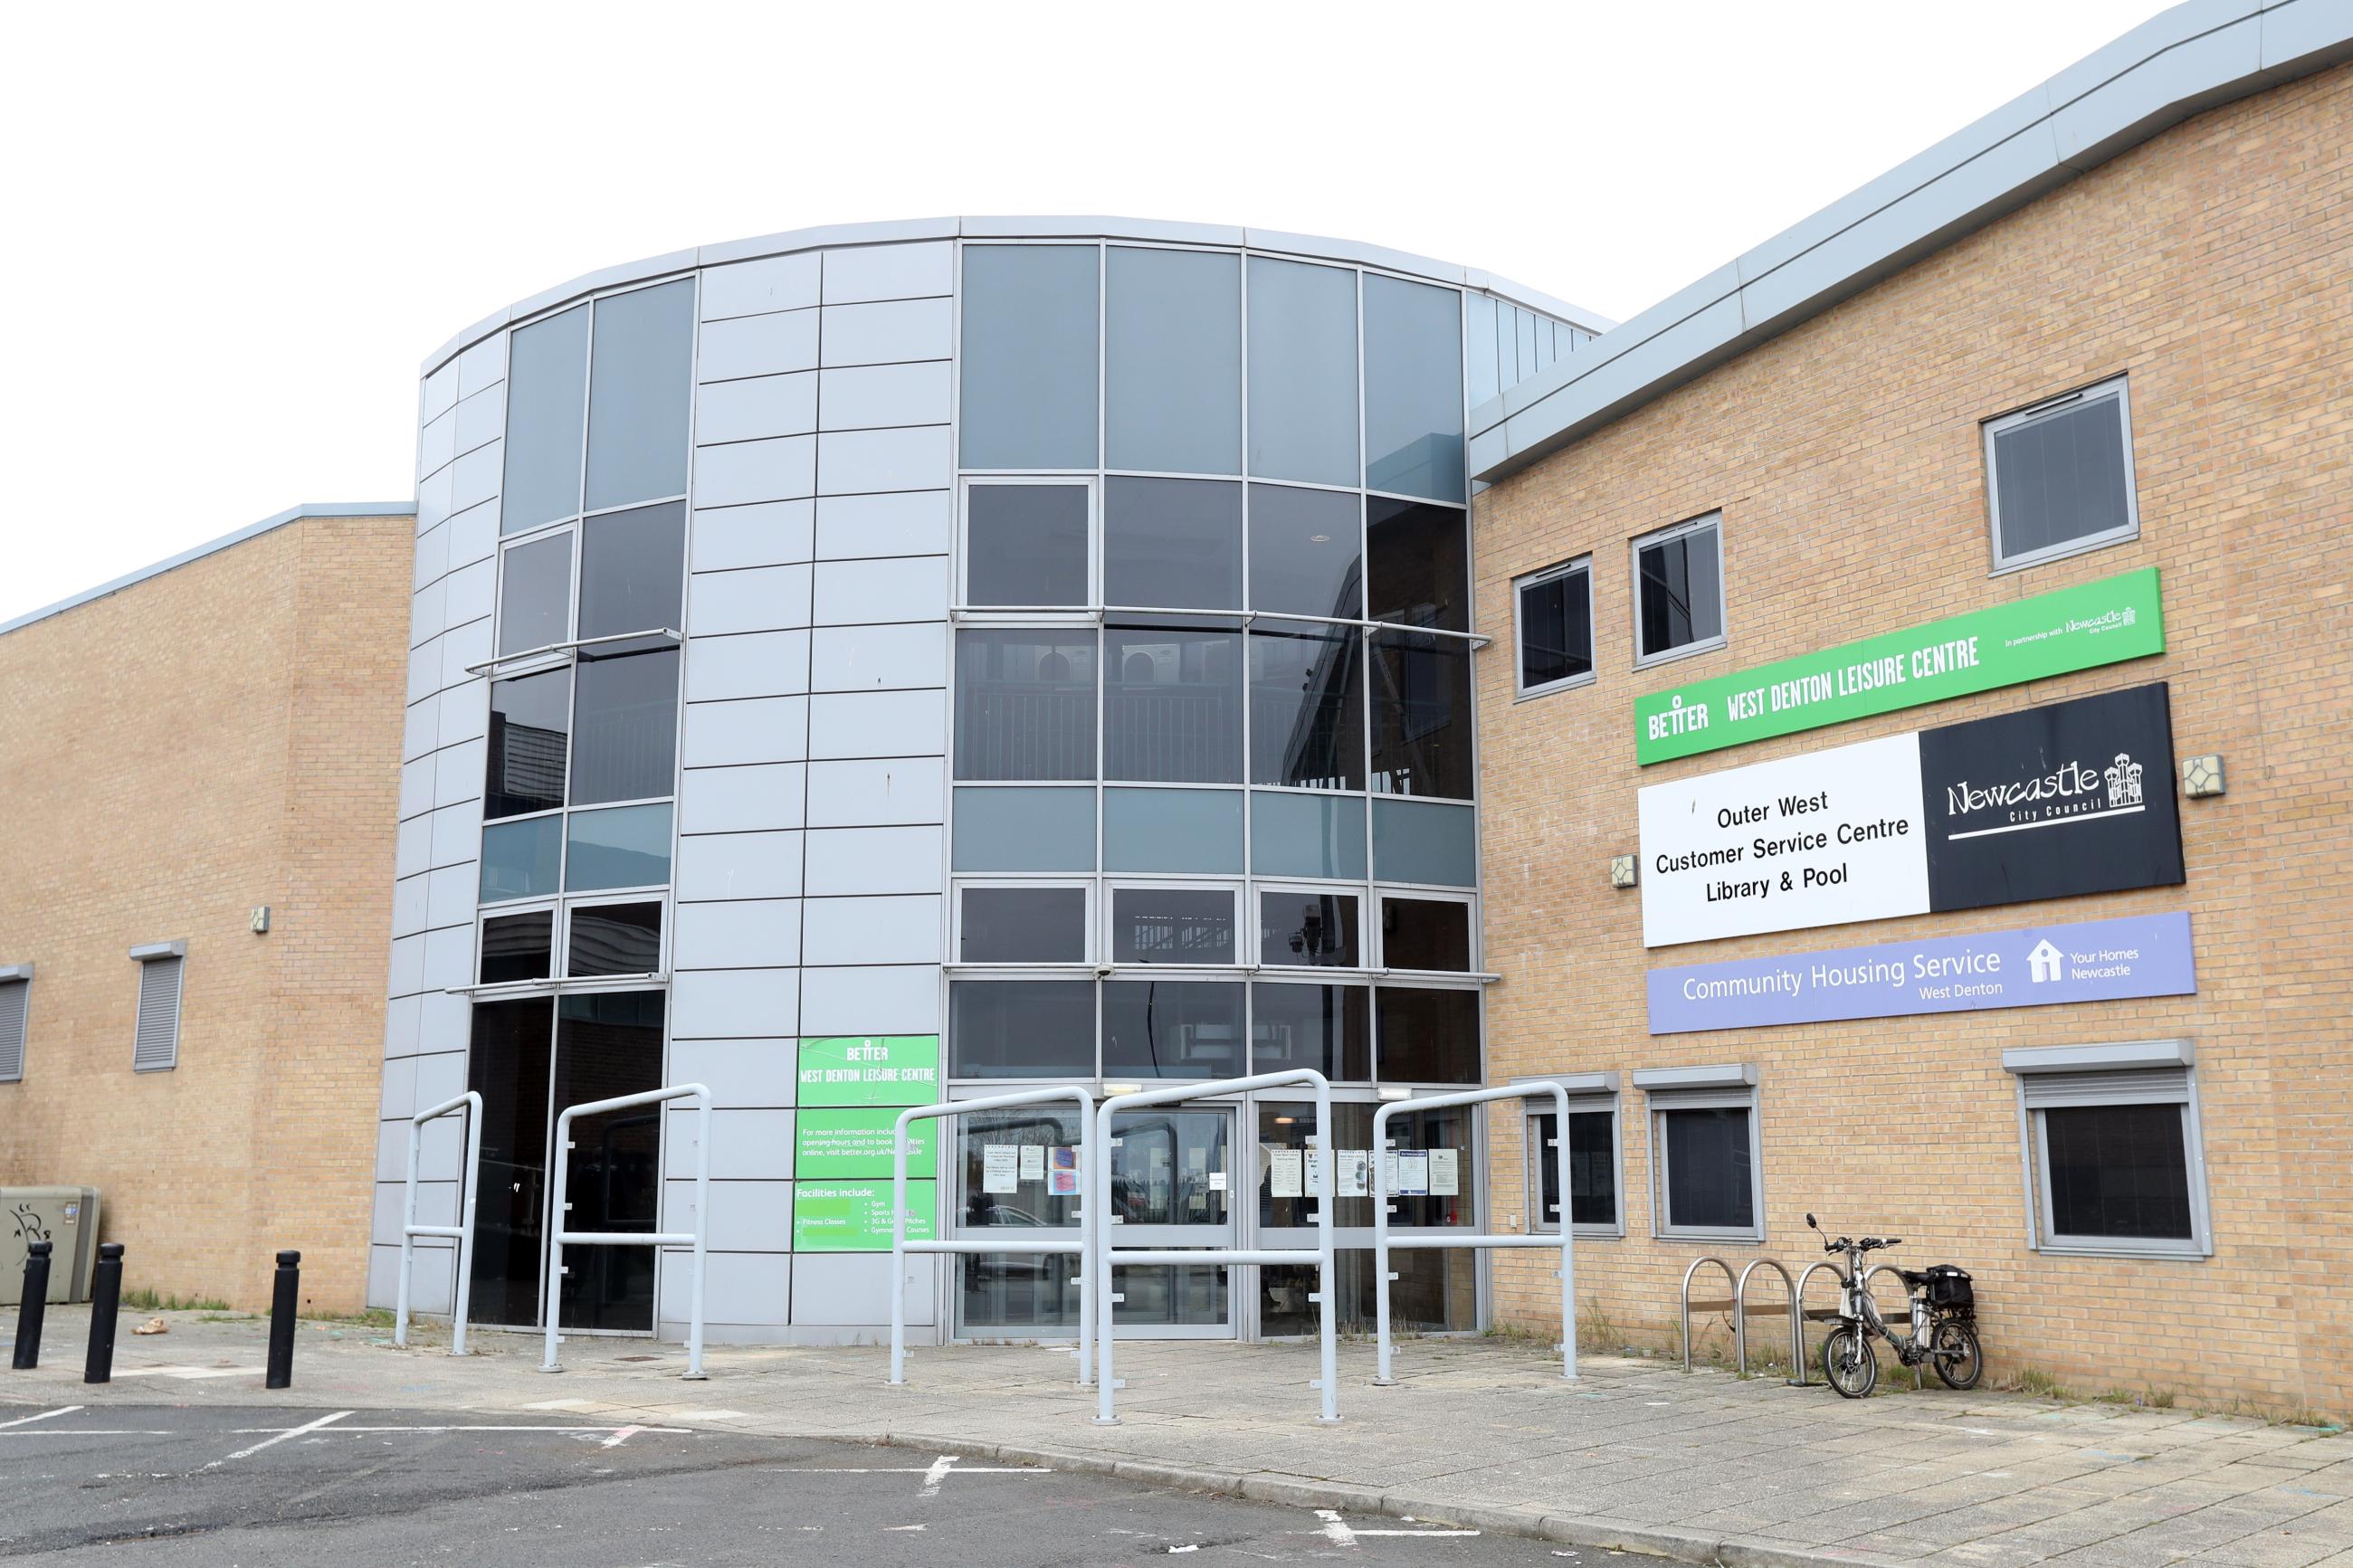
(1873,1272)
(1798,1307)
(1730,1282)
(462,1233)
(1740,1320)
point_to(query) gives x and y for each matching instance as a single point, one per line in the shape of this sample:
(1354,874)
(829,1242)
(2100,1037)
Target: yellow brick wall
(2213,265)
(224,735)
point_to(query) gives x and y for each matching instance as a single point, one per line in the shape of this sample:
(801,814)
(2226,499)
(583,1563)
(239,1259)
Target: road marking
(1339,1532)
(894,1469)
(249,1431)
(565,1404)
(620,1436)
(904,1529)
(327,1420)
(90,1432)
(43,1415)
(937,1473)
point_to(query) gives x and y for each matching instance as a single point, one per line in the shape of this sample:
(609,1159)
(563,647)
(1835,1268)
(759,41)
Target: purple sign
(2098,960)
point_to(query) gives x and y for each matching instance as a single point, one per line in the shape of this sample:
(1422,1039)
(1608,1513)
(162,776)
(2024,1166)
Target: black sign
(2051,801)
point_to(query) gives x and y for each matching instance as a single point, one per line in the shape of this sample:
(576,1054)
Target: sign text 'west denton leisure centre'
(2049,801)
(851,1089)
(2098,960)
(2081,628)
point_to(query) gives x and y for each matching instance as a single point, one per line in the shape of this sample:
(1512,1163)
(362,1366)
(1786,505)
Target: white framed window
(1306,925)
(1678,591)
(1425,932)
(613,937)
(1597,1166)
(1022,921)
(1552,625)
(15,1008)
(2059,476)
(1172,922)
(2113,1148)
(515,944)
(1028,546)
(1707,1166)
(155,1042)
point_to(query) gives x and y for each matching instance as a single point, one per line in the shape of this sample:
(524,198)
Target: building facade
(199,784)
(1933,626)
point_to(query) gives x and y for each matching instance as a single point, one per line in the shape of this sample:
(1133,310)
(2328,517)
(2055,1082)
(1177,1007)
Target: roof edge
(2181,62)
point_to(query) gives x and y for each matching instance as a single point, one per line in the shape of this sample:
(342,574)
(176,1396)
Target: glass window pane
(1420,564)
(628,847)
(1032,1201)
(625,725)
(1307,706)
(614,939)
(1556,629)
(1592,1168)
(547,394)
(1172,925)
(1307,835)
(1172,705)
(632,567)
(1025,704)
(531,725)
(1421,715)
(1172,1028)
(507,1064)
(2120,1172)
(535,595)
(1022,925)
(1426,1036)
(1028,399)
(519,859)
(1287,1125)
(1413,388)
(1679,592)
(2061,477)
(1302,372)
(605,1046)
(518,947)
(1313,929)
(1173,363)
(1417,842)
(640,394)
(1425,933)
(1024,829)
(1025,544)
(1411,1132)
(1021,1029)
(1177,543)
(1181,830)
(1326,1028)
(1708,1169)
(1306,552)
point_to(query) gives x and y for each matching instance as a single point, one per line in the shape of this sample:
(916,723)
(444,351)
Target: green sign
(855,1216)
(870,1070)
(834,1144)
(2082,627)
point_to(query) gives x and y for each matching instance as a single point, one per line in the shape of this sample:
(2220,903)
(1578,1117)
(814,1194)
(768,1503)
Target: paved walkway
(1634,1456)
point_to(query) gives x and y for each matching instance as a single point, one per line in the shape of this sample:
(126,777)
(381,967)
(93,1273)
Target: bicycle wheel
(1958,1361)
(1850,1363)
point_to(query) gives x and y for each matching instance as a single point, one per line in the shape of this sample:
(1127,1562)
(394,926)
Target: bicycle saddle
(1913,1278)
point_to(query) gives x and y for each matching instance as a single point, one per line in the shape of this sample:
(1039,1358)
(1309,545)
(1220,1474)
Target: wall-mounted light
(1621,872)
(2201,776)
(1111,1089)
(1396,1094)
(261,919)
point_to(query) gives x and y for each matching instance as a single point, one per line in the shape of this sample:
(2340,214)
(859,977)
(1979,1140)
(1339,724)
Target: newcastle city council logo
(2043,964)
(2124,780)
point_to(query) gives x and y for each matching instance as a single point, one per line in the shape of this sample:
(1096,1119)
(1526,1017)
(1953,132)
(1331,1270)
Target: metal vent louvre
(13,995)
(158,1044)
(2142,1086)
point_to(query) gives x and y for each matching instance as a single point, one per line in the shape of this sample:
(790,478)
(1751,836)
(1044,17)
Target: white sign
(1000,1166)
(1355,1172)
(1813,840)
(1445,1173)
(1033,1161)
(1283,1172)
(1412,1174)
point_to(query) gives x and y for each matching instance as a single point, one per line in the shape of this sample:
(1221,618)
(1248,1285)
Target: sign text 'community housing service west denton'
(2098,960)
(2046,802)
(2081,628)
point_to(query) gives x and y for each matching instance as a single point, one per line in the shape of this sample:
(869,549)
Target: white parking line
(623,1434)
(1341,1533)
(327,1420)
(43,1415)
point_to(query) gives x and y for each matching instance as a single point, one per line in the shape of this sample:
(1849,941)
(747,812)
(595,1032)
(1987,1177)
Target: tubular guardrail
(1383,1241)
(1798,1302)
(1731,1301)
(1740,1310)
(558,1236)
(1108,1258)
(462,1233)
(1082,1245)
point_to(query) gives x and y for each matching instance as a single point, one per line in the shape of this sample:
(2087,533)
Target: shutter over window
(2136,1086)
(158,1043)
(13,995)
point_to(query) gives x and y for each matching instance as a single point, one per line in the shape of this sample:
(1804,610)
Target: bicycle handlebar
(1868,1244)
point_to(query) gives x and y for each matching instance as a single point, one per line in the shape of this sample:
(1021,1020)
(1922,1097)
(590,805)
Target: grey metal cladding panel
(899,929)
(854,461)
(2108,102)
(860,274)
(759,288)
(873,999)
(1350,251)
(746,1216)
(427,615)
(406,973)
(483,367)
(756,799)
(1639,335)
(910,522)
(416,787)
(767,534)
(739,866)
(740,1290)
(451,894)
(865,397)
(438,396)
(867,861)
(603,278)
(1686,350)
(784,469)
(424,669)
(481,418)
(431,560)
(823,235)
(743,933)
(413,845)
(845,1289)
(449,958)
(474,534)
(474,478)
(2301,35)
(877,724)
(753,1074)
(735,1003)
(432,499)
(430,1276)
(458,772)
(756,599)
(445,1022)
(408,904)
(468,592)
(875,658)
(437,1203)
(755,408)
(889,332)
(455,833)
(868,593)
(402,1015)
(880,791)
(436,444)
(759,729)
(1082,226)
(421,729)
(436,1155)
(461,648)
(757,345)
(757,664)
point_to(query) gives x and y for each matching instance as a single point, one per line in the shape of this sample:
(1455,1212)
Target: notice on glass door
(1062,1179)
(1445,1174)
(1000,1168)
(1283,1173)
(1355,1172)
(1412,1172)
(1033,1161)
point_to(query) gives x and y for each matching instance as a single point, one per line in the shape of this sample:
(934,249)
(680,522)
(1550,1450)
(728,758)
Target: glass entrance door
(1172,1185)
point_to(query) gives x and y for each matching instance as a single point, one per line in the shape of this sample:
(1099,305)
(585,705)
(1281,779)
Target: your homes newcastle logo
(2072,791)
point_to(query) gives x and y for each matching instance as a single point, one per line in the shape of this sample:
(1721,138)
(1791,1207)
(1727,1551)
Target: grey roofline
(279,520)
(901,230)
(2185,60)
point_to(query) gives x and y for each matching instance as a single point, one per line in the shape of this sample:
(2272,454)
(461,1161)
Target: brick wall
(2213,265)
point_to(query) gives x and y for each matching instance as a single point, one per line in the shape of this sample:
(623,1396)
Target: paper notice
(1000,1167)
(1217,1181)
(1282,1172)
(1318,1185)
(1412,1174)
(1033,1161)
(1355,1172)
(1062,1179)
(1445,1178)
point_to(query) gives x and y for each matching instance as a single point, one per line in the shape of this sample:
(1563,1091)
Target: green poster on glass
(856,1142)
(870,1070)
(855,1216)
(2082,627)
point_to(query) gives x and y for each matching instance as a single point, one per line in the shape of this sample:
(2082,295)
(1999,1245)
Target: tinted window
(1326,1028)
(517,947)
(1021,1029)
(607,1046)
(1679,592)
(2062,476)
(1172,705)
(1025,830)
(1425,933)
(638,395)
(1181,830)
(1177,543)
(632,565)
(508,1066)
(1172,363)
(1556,629)
(1318,929)
(1421,715)
(1172,925)
(1708,1169)
(1029,373)
(625,725)
(628,848)
(1022,925)
(1413,388)
(1592,1168)
(1418,841)
(1172,1028)
(1420,564)
(530,722)
(614,939)
(1025,705)
(535,595)
(1447,1127)
(1428,1037)
(1025,544)
(1302,372)
(1307,835)
(2119,1172)
(519,859)
(1307,707)
(547,391)
(1306,552)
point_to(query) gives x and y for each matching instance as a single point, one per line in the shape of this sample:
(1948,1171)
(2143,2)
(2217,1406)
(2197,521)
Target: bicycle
(1942,1313)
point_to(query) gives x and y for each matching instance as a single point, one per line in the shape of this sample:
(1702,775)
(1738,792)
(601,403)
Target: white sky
(238,233)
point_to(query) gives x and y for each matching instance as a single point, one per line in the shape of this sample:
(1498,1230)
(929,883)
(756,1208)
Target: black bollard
(284,1297)
(105,1300)
(33,1308)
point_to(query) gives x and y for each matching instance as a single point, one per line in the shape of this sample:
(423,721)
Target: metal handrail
(1730,1283)
(1798,1303)
(901,1245)
(1740,1321)
(1108,1258)
(462,1233)
(558,1236)
(1382,1242)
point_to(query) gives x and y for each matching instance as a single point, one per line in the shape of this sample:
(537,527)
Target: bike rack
(697,1237)
(900,1245)
(1707,1306)
(1108,1258)
(1919,1379)
(1740,1321)
(1799,1301)
(462,1233)
(1383,1242)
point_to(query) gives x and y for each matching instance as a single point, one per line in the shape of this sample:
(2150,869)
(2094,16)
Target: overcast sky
(238,231)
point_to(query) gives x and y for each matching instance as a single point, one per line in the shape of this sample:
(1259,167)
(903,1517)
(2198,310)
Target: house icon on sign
(2043,964)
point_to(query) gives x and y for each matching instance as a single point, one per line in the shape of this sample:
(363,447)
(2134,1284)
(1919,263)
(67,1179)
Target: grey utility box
(66,1217)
